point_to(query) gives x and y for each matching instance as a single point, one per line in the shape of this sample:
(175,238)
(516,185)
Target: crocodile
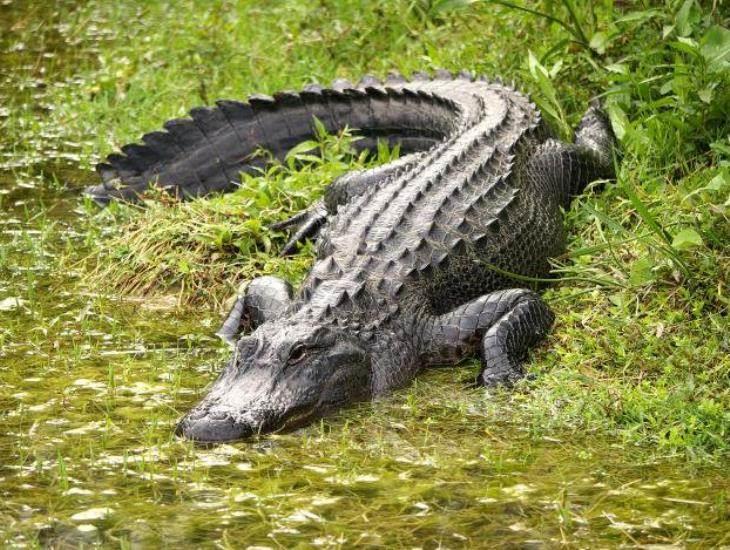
(420,262)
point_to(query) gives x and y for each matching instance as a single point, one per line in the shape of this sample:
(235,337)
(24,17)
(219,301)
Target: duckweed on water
(622,438)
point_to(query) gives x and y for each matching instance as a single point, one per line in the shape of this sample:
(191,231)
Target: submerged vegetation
(106,315)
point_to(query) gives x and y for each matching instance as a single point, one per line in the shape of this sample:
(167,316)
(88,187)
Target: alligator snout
(207,427)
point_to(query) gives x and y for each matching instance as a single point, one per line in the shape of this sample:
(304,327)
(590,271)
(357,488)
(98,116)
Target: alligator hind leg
(265,298)
(505,345)
(502,326)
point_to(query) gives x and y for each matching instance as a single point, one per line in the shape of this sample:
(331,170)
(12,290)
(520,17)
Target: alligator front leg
(309,222)
(265,298)
(502,326)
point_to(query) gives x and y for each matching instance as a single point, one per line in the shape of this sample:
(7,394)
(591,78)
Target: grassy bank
(106,317)
(640,347)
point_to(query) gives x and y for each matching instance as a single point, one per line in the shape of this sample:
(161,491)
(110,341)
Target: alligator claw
(294,220)
(308,223)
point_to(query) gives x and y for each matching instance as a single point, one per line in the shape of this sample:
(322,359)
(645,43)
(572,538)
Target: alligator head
(282,376)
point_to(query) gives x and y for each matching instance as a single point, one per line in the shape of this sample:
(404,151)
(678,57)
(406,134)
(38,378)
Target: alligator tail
(207,152)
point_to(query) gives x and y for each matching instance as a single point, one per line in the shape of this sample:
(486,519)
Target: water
(91,386)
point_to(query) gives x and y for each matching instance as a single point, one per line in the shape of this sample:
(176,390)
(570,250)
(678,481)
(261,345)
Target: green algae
(92,380)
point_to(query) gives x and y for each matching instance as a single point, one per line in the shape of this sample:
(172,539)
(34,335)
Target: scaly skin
(413,257)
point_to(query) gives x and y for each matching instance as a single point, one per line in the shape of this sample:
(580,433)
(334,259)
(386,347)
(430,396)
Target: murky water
(91,386)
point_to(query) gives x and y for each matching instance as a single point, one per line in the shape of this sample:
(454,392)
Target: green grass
(640,347)
(621,438)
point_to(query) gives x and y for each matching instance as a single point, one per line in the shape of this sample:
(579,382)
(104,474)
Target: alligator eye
(297,354)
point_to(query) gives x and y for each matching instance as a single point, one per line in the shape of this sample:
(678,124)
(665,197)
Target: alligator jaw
(207,428)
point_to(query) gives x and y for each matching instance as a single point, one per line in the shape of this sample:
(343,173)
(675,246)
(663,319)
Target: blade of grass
(578,35)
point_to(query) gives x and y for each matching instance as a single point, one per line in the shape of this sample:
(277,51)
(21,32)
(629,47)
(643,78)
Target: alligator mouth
(298,417)
(209,428)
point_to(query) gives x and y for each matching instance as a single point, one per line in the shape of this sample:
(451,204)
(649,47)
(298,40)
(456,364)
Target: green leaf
(619,68)
(665,88)
(685,18)
(619,120)
(716,184)
(715,48)
(642,272)
(645,214)
(598,42)
(319,129)
(686,45)
(705,95)
(617,299)
(301,148)
(719,182)
(550,104)
(638,16)
(687,239)
(450,5)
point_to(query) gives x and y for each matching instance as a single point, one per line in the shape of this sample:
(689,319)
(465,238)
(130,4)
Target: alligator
(420,262)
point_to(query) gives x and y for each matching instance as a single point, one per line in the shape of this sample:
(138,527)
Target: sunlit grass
(621,438)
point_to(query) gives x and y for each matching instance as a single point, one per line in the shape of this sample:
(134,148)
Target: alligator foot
(506,343)
(308,224)
(502,326)
(265,298)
